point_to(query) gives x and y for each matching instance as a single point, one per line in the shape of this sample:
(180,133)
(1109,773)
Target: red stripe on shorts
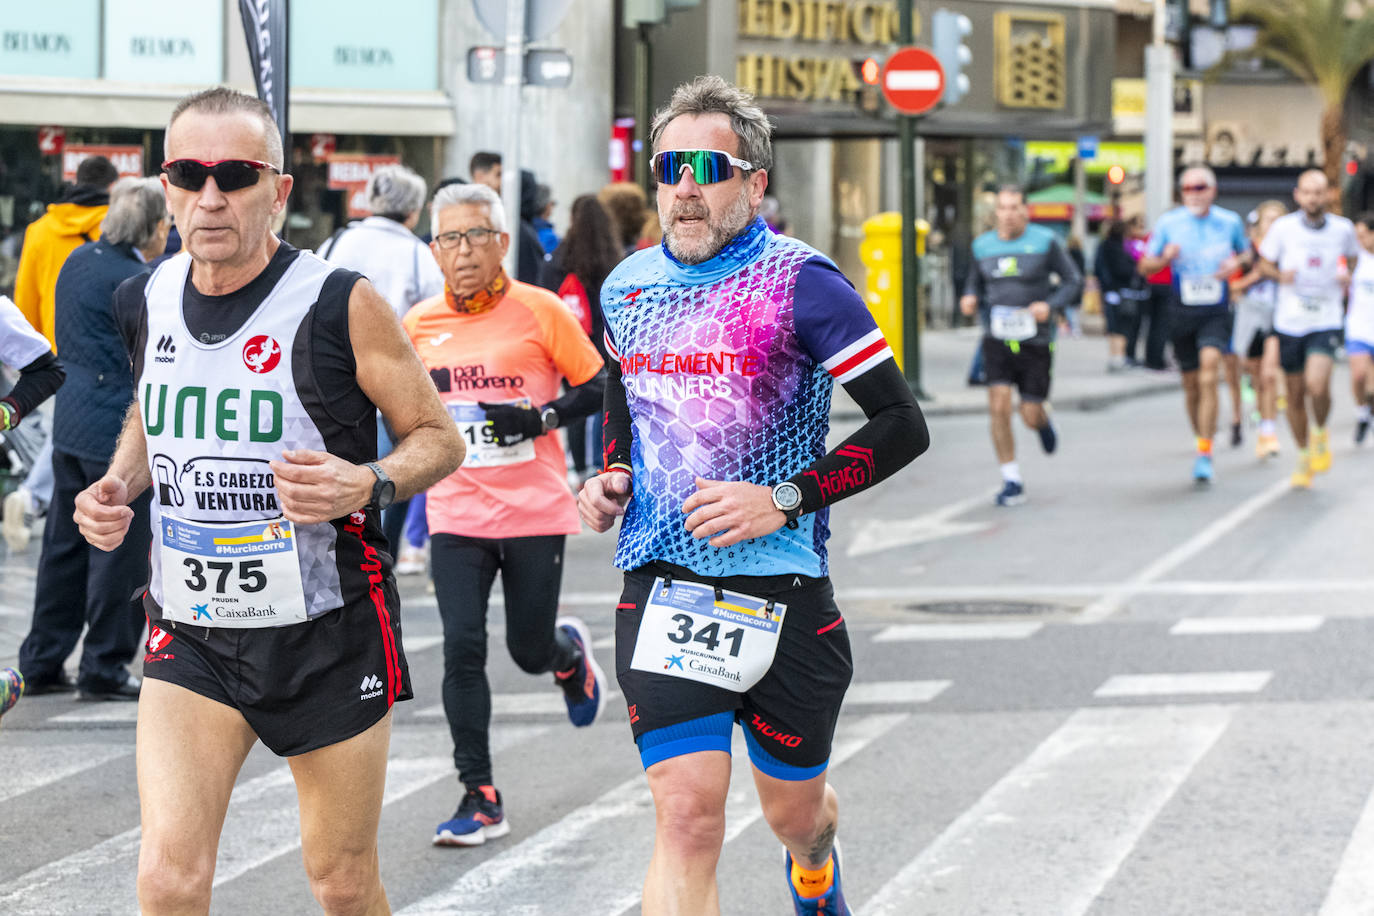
(374,589)
(629,606)
(829,626)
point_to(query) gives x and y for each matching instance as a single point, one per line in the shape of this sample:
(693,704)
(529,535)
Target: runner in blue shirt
(1203,245)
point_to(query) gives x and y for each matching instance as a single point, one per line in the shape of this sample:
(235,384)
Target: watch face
(787,496)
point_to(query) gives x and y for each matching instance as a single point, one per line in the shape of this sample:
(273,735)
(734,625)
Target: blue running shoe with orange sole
(480,817)
(831,903)
(584,688)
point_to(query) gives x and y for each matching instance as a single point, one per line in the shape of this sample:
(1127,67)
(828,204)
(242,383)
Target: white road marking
(567,860)
(1081,801)
(1234,626)
(518,704)
(111,711)
(262,823)
(873,535)
(30,767)
(1352,889)
(417,644)
(879,692)
(995,629)
(1116,598)
(605,642)
(1184,684)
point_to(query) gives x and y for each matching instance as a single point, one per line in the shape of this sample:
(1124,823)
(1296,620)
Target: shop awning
(1055,204)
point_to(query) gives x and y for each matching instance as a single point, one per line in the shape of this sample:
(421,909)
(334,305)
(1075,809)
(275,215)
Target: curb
(1083,402)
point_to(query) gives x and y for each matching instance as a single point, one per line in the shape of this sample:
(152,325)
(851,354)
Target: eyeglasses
(229,174)
(478,237)
(708,165)
(1195,188)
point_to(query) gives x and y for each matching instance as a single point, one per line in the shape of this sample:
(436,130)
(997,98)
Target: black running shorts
(788,717)
(1293,351)
(300,687)
(1024,365)
(1192,327)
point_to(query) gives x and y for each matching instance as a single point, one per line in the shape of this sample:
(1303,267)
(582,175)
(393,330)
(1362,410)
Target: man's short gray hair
(395,191)
(712,95)
(1205,170)
(452,195)
(137,205)
(221,100)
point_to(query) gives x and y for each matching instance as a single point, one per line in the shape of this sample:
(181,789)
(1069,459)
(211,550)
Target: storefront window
(53,38)
(345,44)
(182,43)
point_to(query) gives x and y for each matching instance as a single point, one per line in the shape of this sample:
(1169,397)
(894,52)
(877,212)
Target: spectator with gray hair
(80,586)
(384,248)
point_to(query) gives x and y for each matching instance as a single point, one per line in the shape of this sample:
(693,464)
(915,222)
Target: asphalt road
(1128,696)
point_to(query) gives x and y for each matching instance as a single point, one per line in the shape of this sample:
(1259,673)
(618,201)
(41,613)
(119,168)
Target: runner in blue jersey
(1203,244)
(726,342)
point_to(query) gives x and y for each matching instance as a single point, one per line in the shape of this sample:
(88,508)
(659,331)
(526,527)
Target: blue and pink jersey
(728,368)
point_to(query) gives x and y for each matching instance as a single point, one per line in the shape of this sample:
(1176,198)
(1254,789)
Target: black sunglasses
(229,174)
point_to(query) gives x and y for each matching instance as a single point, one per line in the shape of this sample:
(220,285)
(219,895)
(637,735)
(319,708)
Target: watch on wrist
(549,417)
(787,499)
(384,490)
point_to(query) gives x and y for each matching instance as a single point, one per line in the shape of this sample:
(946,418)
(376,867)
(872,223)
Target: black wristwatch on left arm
(384,490)
(787,499)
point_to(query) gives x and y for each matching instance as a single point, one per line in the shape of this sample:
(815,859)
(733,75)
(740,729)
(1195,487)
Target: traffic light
(1116,174)
(947,33)
(652,12)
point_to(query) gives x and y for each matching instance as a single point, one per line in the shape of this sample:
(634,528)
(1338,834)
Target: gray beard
(732,222)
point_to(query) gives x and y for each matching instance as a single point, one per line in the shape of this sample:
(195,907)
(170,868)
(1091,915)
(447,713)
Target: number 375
(250,577)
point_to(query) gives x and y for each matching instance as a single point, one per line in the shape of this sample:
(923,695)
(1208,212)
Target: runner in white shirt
(1308,252)
(1252,337)
(1359,327)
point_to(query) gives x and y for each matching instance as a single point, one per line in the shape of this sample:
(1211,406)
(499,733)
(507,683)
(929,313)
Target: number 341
(250,579)
(709,635)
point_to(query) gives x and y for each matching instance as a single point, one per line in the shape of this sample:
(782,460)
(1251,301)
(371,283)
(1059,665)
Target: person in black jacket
(1121,291)
(78,584)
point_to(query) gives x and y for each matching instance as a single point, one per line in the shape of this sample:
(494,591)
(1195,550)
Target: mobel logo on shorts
(371,687)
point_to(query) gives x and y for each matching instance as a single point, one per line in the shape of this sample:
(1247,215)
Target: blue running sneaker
(1202,469)
(480,817)
(584,687)
(831,903)
(1013,494)
(1049,439)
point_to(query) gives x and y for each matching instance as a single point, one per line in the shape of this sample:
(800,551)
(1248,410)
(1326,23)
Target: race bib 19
(1200,290)
(237,575)
(483,452)
(718,637)
(1010,323)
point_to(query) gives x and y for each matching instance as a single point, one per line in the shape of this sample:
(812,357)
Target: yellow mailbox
(881,253)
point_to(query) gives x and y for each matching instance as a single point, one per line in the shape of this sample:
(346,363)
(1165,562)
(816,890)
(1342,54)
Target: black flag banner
(264,25)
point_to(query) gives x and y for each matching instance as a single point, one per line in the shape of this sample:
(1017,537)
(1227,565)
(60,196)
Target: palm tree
(1324,43)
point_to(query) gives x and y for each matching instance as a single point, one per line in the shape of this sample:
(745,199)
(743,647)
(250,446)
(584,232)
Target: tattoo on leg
(820,848)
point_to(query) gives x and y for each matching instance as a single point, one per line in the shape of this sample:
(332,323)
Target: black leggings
(531,576)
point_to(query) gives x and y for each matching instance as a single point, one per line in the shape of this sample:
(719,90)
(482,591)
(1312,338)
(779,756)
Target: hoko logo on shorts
(371,687)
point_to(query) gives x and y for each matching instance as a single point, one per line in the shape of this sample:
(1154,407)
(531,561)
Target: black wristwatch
(549,417)
(384,490)
(787,499)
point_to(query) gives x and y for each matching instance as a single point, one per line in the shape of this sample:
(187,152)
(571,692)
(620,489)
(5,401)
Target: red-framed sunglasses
(229,174)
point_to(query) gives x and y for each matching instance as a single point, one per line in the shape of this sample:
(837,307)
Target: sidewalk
(1080,380)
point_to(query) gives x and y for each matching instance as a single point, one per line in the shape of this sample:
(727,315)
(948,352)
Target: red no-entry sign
(913,80)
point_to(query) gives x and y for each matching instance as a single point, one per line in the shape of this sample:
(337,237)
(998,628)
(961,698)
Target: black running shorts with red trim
(300,687)
(788,717)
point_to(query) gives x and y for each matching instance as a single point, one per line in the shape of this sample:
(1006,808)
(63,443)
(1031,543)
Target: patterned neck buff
(743,249)
(484,300)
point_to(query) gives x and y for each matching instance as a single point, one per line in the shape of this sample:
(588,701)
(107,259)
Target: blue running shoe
(831,903)
(480,817)
(584,687)
(1202,469)
(1049,439)
(1013,494)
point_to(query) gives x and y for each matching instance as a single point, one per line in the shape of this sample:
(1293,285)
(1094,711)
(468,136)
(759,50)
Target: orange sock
(1204,446)
(813,883)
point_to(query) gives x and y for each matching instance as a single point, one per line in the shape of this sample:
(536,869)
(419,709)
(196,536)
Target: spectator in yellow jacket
(72,221)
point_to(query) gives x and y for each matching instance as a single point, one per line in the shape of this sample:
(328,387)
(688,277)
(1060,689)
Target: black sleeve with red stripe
(893,437)
(615,423)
